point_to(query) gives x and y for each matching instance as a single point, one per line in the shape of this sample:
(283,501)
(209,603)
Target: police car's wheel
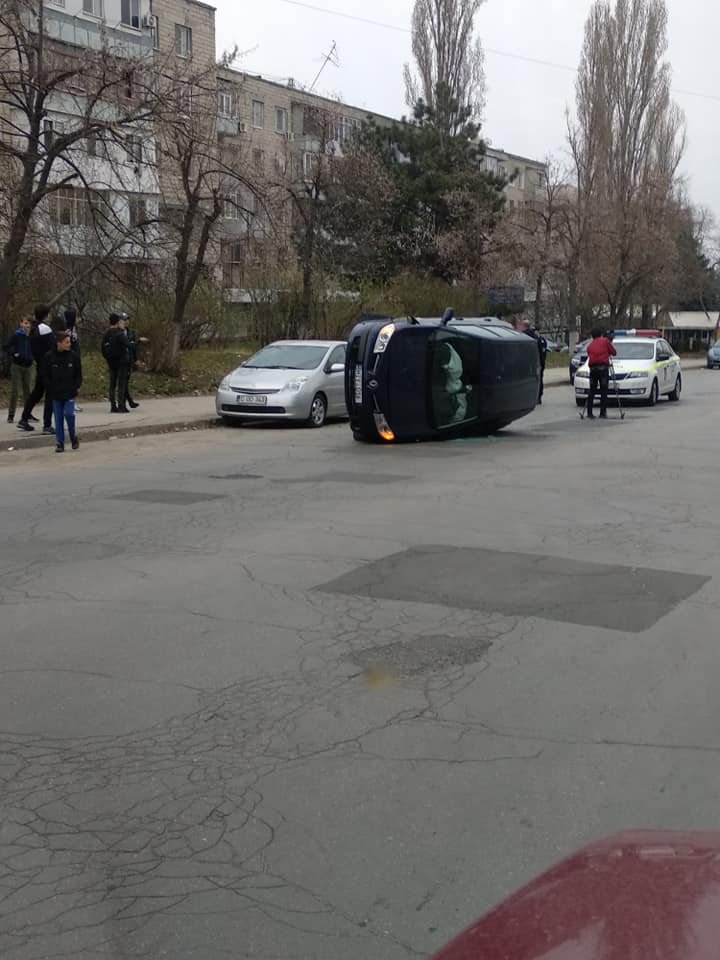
(654,394)
(675,395)
(318,411)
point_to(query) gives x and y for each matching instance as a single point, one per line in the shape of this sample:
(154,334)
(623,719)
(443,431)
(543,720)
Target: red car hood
(637,896)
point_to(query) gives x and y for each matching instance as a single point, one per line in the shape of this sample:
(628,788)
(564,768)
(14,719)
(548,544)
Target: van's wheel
(654,394)
(675,395)
(318,411)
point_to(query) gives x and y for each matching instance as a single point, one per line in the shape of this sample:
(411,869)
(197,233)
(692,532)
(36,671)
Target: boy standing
(19,350)
(63,375)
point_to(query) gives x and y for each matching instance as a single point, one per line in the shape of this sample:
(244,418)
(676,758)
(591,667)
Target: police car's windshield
(635,350)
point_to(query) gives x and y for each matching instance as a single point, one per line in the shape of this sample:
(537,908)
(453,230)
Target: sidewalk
(95,422)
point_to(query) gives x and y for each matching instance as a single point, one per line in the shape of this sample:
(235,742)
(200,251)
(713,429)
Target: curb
(91,435)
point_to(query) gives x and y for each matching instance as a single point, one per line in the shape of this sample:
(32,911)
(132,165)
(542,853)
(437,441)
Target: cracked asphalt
(270,694)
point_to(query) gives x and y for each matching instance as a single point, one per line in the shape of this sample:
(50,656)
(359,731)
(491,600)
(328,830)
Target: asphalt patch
(237,476)
(345,476)
(614,597)
(411,658)
(179,498)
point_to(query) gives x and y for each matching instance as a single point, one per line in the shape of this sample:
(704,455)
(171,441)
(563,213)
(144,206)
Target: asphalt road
(271,694)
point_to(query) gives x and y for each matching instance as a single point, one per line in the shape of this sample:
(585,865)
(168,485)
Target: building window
(134,150)
(281,120)
(490,164)
(51,130)
(138,211)
(94,8)
(130,13)
(183,40)
(73,207)
(231,207)
(280,164)
(156,32)
(258,114)
(225,104)
(309,162)
(259,158)
(345,127)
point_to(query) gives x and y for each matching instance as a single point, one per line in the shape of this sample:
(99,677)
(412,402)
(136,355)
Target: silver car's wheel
(318,411)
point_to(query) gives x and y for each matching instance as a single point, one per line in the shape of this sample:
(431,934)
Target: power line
(493,52)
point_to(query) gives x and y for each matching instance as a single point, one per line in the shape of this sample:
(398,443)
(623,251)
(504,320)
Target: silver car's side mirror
(337,368)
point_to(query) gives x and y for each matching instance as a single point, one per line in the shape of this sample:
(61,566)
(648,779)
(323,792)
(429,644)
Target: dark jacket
(62,372)
(19,348)
(42,340)
(115,347)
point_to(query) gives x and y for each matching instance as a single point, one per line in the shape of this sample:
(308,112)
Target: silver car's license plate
(254,399)
(358,383)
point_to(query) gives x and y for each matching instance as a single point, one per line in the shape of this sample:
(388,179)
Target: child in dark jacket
(63,375)
(19,349)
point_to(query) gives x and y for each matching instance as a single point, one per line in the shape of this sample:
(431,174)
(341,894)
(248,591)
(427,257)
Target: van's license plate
(252,399)
(358,383)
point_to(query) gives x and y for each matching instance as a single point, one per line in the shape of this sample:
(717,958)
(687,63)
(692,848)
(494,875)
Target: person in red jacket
(600,351)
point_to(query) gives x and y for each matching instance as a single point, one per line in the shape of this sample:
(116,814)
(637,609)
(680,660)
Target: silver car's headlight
(297,384)
(225,383)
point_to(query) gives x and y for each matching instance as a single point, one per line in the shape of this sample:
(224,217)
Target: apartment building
(526,178)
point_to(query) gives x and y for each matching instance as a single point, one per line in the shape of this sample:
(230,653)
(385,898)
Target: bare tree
(449,60)
(626,143)
(103,95)
(204,182)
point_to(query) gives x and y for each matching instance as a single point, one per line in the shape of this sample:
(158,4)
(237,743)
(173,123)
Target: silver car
(287,380)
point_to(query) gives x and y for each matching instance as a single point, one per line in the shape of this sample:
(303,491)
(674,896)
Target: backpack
(106,346)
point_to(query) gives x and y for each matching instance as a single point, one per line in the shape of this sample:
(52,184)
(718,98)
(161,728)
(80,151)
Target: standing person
(41,342)
(116,351)
(133,347)
(63,375)
(600,350)
(19,350)
(542,352)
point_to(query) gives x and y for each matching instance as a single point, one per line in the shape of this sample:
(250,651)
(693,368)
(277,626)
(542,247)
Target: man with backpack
(116,351)
(42,340)
(19,352)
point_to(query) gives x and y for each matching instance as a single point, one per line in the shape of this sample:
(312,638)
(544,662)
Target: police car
(645,369)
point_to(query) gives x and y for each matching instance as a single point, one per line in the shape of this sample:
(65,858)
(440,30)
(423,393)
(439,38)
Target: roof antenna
(332,58)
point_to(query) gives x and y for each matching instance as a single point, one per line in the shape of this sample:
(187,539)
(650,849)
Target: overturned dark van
(426,379)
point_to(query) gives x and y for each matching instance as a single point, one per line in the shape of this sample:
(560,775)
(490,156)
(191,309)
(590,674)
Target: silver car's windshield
(635,351)
(288,356)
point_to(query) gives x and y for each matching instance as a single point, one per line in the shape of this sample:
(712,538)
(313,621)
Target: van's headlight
(383,338)
(297,384)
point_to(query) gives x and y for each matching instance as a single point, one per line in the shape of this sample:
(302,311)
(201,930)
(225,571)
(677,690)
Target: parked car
(644,369)
(421,379)
(577,358)
(644,895)
(713,356)
(287,380)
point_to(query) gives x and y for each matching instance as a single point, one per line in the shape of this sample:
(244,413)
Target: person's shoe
(60,448)
(113,409)
(24,425)
(33,419)
(11,418)
(603,414)
(133,405)
(75,443)
(49,431)
(122,410)
(78,408)
(590,416)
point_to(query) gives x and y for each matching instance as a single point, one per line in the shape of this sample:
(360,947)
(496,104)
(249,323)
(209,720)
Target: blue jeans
(64,410)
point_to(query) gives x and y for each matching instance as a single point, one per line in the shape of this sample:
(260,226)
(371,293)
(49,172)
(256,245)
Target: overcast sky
(525,101)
